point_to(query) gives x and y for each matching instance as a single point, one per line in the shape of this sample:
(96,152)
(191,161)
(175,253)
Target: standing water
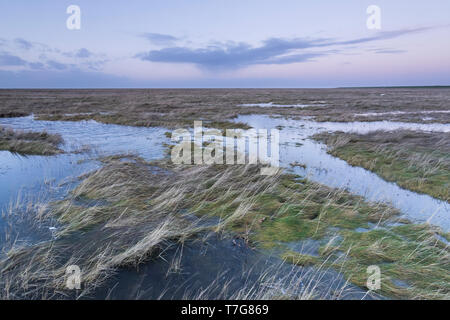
(296,145)
(41,179)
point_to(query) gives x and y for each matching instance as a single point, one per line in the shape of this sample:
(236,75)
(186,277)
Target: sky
(223,43)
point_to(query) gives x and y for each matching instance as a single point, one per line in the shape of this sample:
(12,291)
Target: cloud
(36,65)
(294,58)
(159,39)
(7,59)
(56,65)
(272,51)
(389,51)
(23,44)
(235,54)
(39,56)
(83,53)
(383,35)
(62,79)
(89,60)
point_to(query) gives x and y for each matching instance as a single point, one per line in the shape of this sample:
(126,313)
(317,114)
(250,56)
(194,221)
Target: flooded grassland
(352,191)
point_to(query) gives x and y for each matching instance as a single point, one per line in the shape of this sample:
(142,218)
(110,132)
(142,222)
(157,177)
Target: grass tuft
(29,143)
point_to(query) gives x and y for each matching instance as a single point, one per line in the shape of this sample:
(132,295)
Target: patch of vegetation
(416,161)
(107,222)
(175,121)
(290,209)
(408,253)
(176,108)
(299,165)
(29,143)
(299,259)
(129,210)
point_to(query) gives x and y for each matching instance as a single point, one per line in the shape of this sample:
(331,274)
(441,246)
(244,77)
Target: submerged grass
(106,223)
(28,142)
(416,161)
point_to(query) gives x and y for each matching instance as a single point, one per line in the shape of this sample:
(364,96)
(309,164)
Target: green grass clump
(299,259)
(288,229)
(408,253)
(292,210)
(416,161)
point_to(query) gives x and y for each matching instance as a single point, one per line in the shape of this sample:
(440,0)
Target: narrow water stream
(297,146)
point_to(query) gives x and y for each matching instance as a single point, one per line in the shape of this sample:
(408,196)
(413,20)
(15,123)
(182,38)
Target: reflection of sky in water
(331,171)
(27,173)
(104,138)
(38,177)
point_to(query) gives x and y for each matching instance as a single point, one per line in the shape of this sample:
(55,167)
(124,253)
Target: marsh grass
(130,210)
(28,142)
(176,108)
(105,223)
(416,161)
